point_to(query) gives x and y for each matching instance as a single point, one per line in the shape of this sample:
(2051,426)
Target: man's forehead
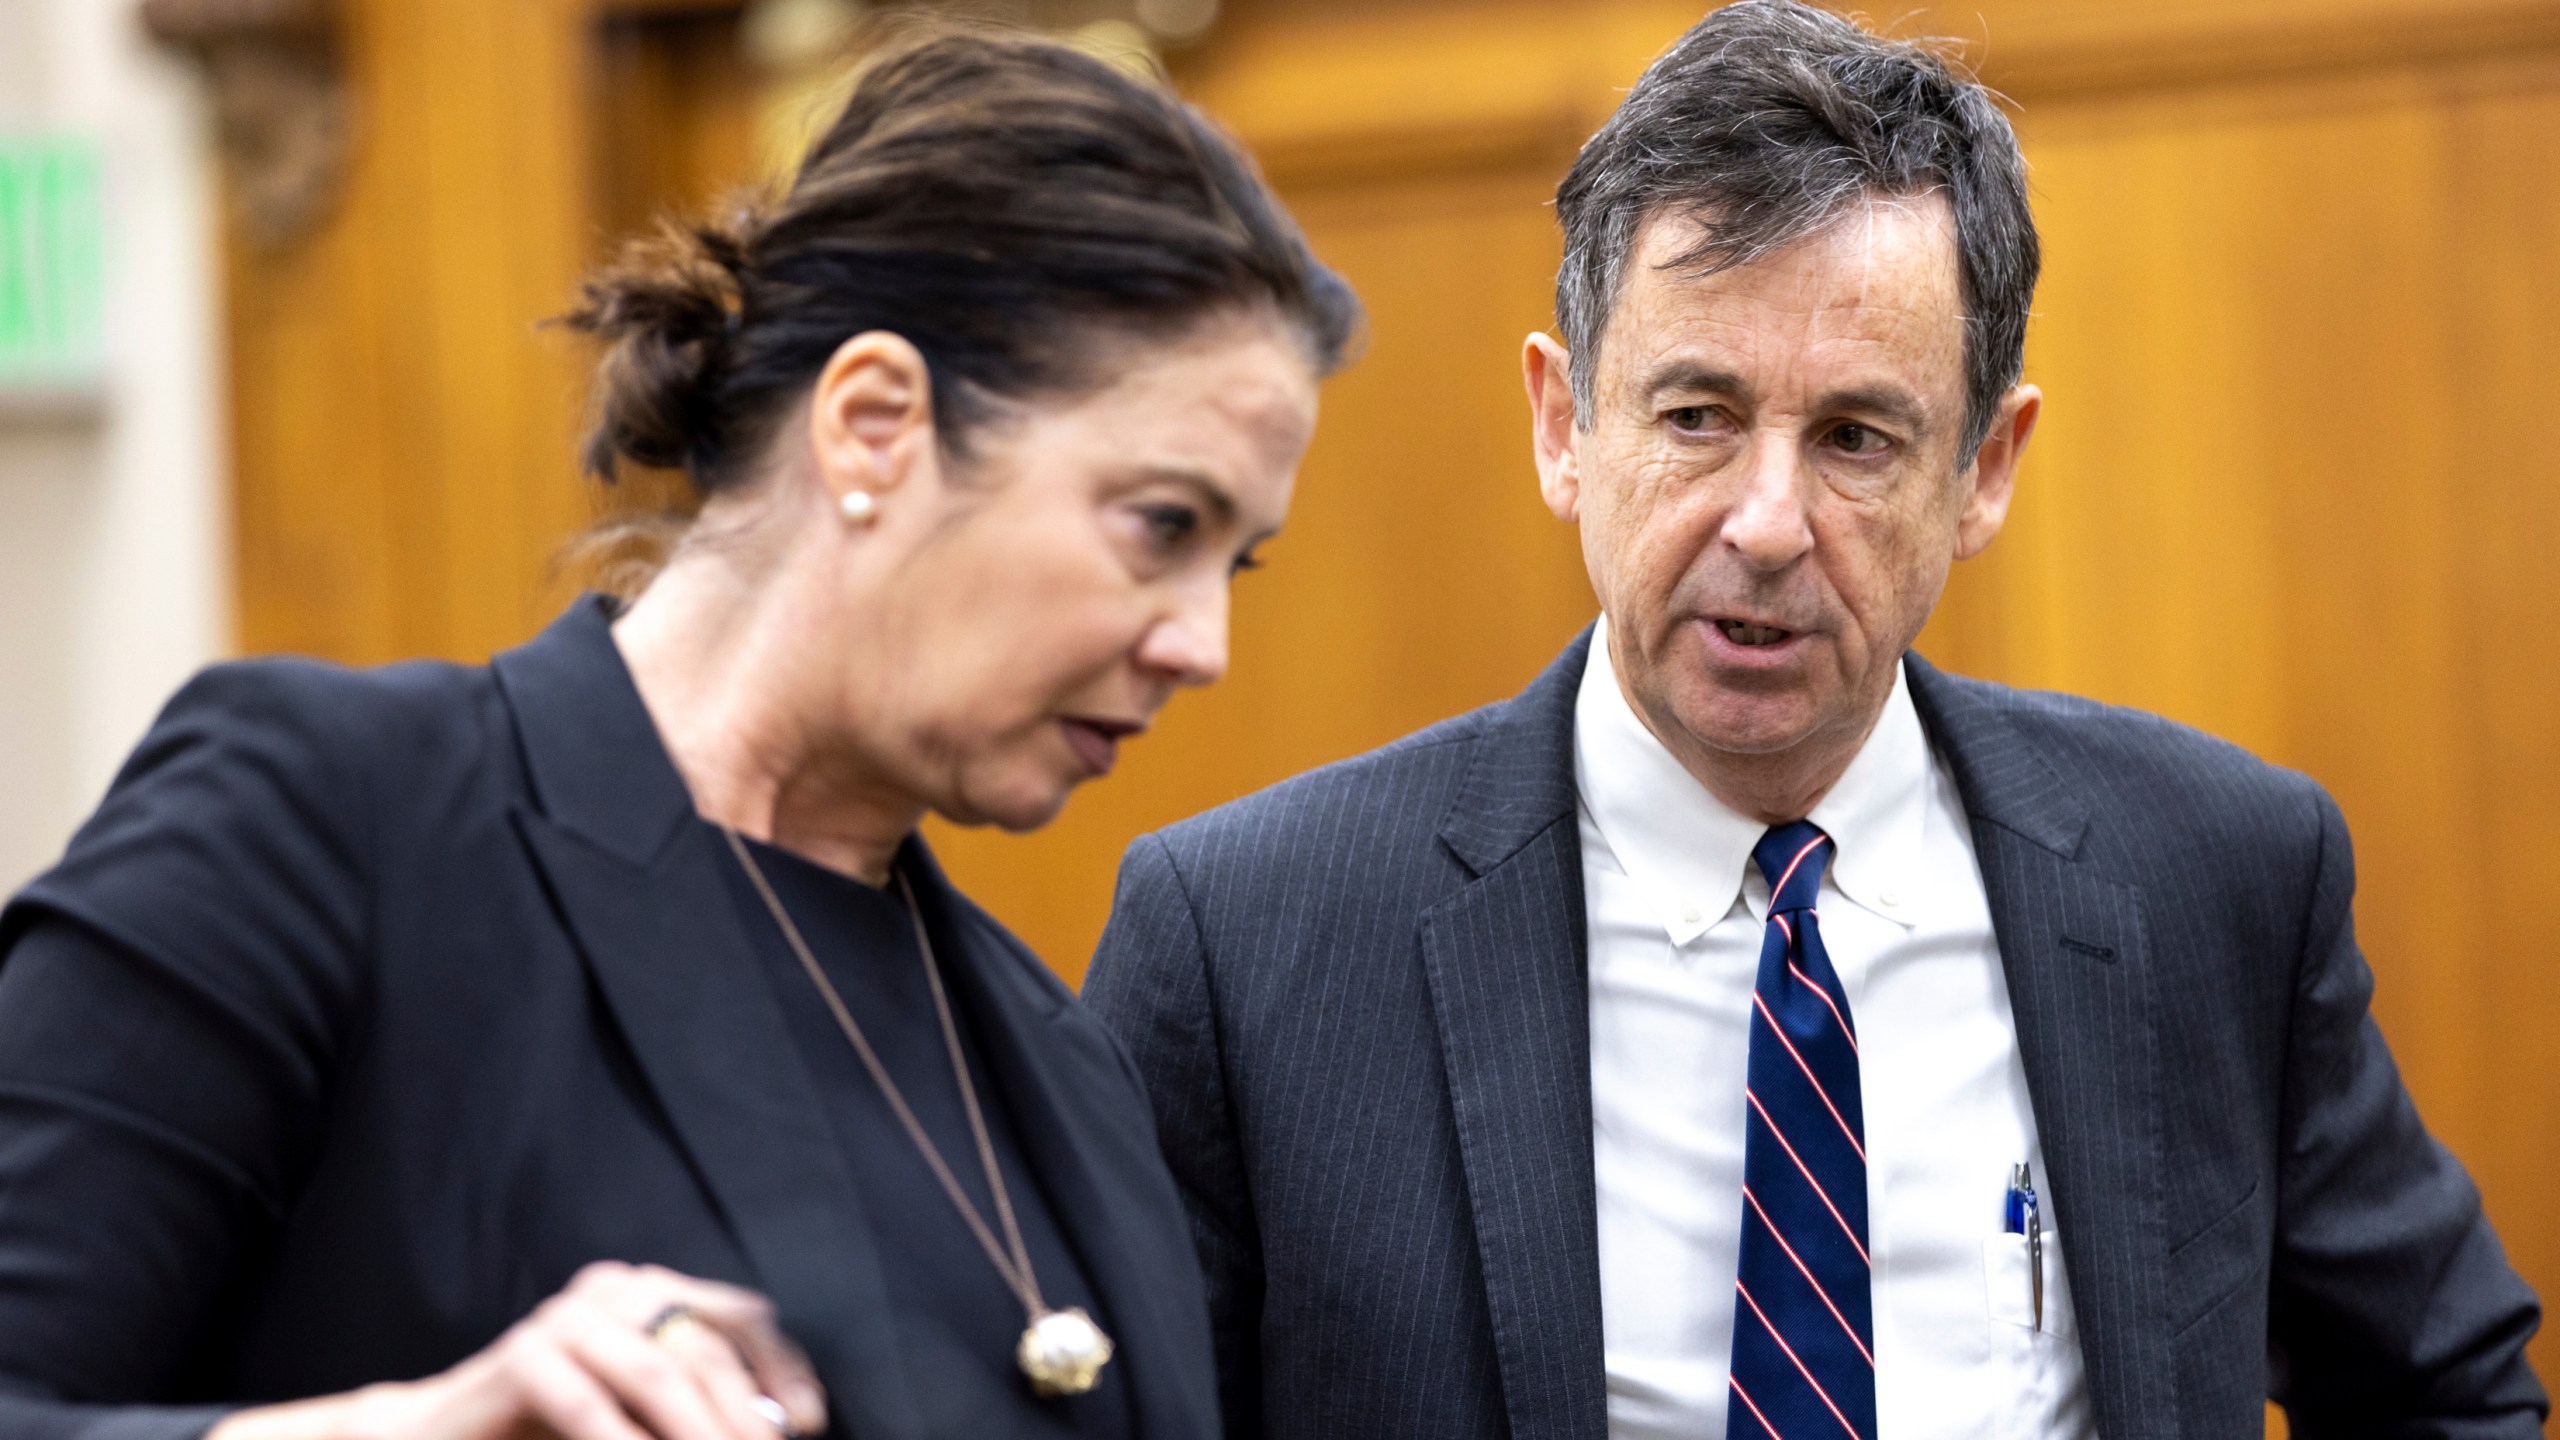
(1883,275)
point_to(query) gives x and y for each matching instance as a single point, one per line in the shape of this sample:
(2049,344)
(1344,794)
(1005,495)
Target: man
(1749,1030)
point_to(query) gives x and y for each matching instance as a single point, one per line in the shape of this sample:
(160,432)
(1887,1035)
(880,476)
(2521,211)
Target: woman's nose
(1189,645)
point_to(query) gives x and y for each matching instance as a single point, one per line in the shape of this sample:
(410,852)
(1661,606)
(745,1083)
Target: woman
(585,1043)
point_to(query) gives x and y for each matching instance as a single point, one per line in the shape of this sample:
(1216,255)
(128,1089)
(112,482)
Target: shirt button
(1688,914)
(1892,899)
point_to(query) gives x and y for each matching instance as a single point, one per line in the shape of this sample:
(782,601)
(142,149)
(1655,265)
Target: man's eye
(1687,417)
(1247,561)
(1857,439)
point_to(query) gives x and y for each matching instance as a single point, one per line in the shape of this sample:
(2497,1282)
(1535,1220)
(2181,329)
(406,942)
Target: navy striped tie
(1803,1321)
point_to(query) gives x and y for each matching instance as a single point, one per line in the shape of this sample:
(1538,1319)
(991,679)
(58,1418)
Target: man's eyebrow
(1885,402)
(1694,376)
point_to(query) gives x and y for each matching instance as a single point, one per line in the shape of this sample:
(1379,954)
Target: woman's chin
(1018,807)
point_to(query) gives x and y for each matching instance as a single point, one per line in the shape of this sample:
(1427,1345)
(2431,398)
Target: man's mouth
(1751,635)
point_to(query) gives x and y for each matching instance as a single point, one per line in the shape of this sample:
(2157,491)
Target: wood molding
(2087,54)
(283,107)
(655,9)
(1341,96)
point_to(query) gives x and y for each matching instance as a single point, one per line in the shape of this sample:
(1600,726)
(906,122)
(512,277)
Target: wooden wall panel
(402,429)
(675,115)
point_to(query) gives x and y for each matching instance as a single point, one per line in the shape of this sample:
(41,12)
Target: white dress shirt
(1676,910)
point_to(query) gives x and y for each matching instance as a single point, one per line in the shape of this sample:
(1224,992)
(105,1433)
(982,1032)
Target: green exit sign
(52,314)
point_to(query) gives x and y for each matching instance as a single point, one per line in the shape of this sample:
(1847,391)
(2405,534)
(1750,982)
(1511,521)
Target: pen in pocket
(2023,1218)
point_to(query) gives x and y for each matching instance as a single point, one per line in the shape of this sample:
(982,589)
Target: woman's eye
(1247,561)
(1169,526)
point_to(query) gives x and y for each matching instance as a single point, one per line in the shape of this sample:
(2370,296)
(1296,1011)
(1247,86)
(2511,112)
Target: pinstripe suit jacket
(1358,1000)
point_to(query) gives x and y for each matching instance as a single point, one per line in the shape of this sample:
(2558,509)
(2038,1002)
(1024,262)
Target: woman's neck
(734,675)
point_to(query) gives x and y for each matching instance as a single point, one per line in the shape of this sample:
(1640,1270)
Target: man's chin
(1748,725)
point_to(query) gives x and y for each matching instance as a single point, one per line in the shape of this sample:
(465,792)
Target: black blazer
(418,990)
(1359,1000)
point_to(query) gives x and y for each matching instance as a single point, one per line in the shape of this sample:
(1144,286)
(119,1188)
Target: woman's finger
(660,1388)
(721,1371)
(565,1398)
(745,1319)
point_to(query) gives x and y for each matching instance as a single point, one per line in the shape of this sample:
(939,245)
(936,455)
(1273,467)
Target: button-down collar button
(1892,899)
(1688,914)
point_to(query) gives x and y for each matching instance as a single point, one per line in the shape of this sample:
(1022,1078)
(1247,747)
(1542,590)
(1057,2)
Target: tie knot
(1791,858)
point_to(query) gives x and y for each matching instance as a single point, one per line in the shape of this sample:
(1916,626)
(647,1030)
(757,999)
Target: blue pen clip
(2022,1218)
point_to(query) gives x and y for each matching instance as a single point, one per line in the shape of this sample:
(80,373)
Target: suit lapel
(1504,958)
(1092,1165)
(2082,989)
(640,888)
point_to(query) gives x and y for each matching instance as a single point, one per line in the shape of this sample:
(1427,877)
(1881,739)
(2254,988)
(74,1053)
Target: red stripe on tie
(1850,1035)
(1790,872)
(1825,1096)
(1825,1295)
(1824,1395)
(1818,1192)
(1755,1410)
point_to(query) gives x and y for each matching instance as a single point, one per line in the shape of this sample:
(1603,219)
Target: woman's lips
(1096,742)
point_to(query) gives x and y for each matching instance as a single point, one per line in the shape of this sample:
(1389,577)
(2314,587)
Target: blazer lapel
(1505,961)
(640,888)
(2082,988)
(1095,1168)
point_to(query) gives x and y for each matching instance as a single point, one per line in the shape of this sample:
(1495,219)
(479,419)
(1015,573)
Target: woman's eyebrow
(1222,506)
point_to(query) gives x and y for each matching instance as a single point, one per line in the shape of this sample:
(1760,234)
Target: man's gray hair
(1769,121)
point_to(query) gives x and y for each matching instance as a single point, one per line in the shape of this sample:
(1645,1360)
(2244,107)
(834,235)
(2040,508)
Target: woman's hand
(626,1352)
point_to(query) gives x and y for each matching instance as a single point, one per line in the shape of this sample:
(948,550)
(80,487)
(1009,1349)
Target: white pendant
(1063,1352)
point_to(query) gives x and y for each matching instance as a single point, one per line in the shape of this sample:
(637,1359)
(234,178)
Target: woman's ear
(871,417)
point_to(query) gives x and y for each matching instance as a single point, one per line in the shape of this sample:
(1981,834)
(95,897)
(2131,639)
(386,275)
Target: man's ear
(1994,476)
(1546,369)
(871,415)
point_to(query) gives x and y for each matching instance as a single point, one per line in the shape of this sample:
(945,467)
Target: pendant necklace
(1061,1351)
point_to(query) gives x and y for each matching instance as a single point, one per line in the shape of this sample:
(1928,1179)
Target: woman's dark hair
(1006,204)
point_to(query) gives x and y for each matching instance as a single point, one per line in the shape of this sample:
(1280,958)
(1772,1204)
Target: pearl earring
(860,507)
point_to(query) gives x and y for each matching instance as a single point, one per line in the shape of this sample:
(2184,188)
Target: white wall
(112,541)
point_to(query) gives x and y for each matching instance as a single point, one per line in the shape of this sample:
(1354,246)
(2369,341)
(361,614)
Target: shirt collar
(1689,854)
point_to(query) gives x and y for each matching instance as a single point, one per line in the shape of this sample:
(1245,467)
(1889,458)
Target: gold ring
(667,1321)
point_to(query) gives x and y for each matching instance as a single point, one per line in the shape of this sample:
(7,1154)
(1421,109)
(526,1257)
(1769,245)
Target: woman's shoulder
(319,704)
(246,822)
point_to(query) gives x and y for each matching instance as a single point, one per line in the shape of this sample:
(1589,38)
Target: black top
(371,1005)
(958,1320)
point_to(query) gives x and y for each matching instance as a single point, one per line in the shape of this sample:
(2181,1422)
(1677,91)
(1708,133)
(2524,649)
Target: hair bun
(666,310)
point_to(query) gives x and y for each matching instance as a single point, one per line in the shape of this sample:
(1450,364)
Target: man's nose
(1188,643)
(1771,524)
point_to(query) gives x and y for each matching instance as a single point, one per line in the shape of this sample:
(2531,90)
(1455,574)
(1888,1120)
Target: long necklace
(1062,1351)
